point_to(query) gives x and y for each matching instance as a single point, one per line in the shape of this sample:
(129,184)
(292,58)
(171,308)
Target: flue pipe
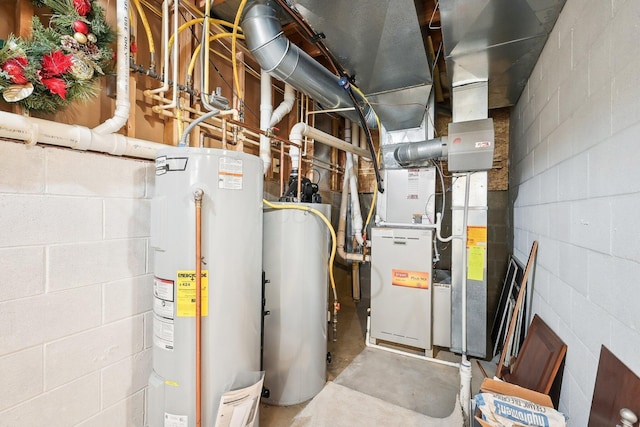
(288,63)
(33,130)
(121,112)
(408,153)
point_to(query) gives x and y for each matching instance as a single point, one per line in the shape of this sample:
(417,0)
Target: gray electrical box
(470,146)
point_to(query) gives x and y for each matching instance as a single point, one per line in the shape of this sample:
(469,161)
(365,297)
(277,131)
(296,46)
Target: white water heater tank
(231,280)
(296,258)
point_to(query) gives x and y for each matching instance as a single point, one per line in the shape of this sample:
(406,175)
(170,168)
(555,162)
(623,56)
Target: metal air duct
(288,63)
(413,153)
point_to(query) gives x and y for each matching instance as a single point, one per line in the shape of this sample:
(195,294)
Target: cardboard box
(500,387)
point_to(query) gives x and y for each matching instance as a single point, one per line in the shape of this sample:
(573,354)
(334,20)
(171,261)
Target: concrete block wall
(575,188)
(75,287)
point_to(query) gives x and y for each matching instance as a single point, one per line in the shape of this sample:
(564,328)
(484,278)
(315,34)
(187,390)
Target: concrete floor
(400,380)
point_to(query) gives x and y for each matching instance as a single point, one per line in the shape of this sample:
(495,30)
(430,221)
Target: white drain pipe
(121,113)
(32,130)
(268,117)
(302,129)
(266,108)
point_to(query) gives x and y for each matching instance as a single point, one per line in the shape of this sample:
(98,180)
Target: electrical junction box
(470,146)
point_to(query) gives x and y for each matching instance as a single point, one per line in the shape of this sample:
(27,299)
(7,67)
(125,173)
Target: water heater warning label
(186,295)
(410,279)
(163,332)
(230,173)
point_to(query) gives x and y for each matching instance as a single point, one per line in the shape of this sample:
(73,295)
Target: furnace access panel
(401,288)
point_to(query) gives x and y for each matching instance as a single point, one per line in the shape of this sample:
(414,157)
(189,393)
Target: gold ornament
(15,93)
(80,38)
(80,69)
(92,38)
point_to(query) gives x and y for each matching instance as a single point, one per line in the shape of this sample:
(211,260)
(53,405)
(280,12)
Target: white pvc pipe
(266,109)
(342,216)
(33,130)
(302,129)
(407,225)
(465,389)
(174,73)
(285,106)
(465,220)
(268,117)
(121,112)
(355,140)
(165,53)
(363,141)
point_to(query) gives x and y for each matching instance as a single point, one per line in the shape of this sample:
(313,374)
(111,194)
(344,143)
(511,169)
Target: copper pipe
(197,194)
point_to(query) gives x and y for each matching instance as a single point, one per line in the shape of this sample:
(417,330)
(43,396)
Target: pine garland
(61,63)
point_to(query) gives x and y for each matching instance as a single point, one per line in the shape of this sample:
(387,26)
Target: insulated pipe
(356,214)
(121,113)
(302,129)
(342,221)
(342,216)
(33,130)
(197,195)
(288,63)
(408,153)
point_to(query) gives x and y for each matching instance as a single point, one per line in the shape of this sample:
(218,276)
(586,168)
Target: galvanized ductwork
(288,63)
(415,153)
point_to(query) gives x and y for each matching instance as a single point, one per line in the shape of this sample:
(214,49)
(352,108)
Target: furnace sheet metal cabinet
(401,286)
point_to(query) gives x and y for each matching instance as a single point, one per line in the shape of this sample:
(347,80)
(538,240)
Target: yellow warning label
(476,236)
(186,293)
(410,279)
(475,263)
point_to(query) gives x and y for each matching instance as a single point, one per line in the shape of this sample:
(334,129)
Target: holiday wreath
(60,63)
